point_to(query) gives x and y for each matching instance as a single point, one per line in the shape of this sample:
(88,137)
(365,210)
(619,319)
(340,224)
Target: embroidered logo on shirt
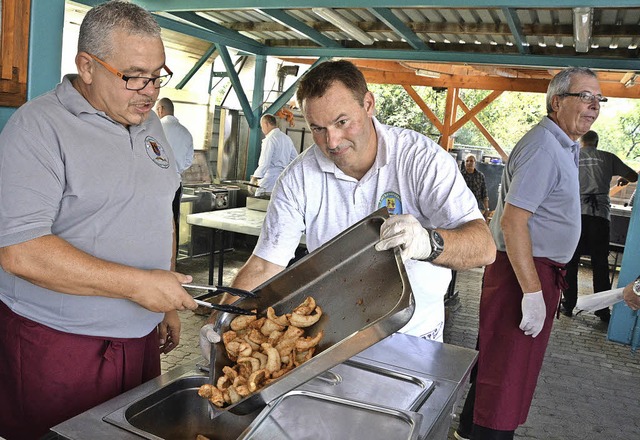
(156,152)
(392,201)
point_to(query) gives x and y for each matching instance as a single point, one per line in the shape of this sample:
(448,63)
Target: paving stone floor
(589,388)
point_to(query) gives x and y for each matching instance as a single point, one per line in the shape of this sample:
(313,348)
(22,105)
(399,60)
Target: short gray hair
(98,26)
(167,104)
(269,119)
(562,82)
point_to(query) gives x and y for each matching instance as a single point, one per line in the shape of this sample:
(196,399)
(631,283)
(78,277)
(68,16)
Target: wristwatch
(437,245)
(636,287)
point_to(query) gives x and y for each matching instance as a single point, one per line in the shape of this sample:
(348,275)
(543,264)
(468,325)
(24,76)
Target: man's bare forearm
(54,264)
(517,239)
(470,245)
(254,272)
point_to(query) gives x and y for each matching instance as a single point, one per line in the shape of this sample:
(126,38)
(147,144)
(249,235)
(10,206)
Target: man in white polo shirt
(358,165)
(277,152)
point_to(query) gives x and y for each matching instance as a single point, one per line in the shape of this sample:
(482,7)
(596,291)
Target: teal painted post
(255,133)
(45,46)
(625,326)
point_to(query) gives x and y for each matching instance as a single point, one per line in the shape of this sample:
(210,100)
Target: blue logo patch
(156,152)
(392,201)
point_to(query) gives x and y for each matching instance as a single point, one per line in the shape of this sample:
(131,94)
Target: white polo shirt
(411,175)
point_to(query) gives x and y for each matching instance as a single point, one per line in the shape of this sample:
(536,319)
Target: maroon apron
(48,376)
(509,362)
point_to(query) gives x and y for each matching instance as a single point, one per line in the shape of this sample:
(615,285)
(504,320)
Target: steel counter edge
(449,366)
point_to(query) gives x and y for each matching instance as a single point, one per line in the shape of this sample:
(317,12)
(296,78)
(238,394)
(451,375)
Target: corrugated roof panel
(544,16)
(407,16)
(608,16)
(433,15)
(486,15)
(527,16)
(631,16)
(450,15)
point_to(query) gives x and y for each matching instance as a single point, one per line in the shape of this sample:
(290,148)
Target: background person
(535,230)
(356,166)
(476,182)
(87,301)
(276,153)
(597,168)
(181,143)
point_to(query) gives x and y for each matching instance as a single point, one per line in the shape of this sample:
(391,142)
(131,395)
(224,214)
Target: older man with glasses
(87,296)
(536,229)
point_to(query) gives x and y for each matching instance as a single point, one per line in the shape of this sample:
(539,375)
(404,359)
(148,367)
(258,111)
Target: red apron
(509,362)
(48,376)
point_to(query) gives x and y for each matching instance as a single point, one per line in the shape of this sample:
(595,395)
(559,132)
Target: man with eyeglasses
(87,296)
(597,168)
(536,232)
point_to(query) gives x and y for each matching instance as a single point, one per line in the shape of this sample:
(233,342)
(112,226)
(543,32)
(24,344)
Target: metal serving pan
(365,296)
(294,416)
(365,380)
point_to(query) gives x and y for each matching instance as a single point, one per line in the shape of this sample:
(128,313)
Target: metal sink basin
(177,412)
(401,372)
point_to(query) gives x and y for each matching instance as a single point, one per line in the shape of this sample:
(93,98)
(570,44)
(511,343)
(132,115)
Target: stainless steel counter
(446,365)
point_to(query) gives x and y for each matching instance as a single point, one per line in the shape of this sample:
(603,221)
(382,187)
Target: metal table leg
(221,263)
(212,255)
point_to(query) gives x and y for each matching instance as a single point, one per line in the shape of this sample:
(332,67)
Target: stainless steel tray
(365,296)
(295,417)
(374,383)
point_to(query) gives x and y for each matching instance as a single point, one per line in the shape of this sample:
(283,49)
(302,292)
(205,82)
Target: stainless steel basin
(177,412)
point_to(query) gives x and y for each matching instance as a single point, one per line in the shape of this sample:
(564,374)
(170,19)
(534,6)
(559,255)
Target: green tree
(508,118)
(629,124)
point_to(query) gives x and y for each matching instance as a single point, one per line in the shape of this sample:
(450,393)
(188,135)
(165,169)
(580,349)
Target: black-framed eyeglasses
(136,83)
(587,97)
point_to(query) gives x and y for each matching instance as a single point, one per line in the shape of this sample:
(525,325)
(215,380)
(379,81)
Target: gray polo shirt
(596,170)
(69,170)
(541,176)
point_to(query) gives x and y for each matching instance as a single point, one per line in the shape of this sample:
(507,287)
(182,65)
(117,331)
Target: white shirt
(180,140)
(277,152)
(411,175)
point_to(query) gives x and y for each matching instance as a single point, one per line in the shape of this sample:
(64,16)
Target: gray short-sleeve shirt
(541,176)
(69,170)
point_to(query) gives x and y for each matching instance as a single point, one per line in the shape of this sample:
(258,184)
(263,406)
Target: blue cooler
(624,326)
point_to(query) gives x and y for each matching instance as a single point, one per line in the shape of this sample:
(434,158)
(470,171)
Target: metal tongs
(217,290)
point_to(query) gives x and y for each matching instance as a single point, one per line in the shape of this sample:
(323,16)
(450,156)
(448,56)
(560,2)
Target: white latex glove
(405,231)
(534,313)
(207,336)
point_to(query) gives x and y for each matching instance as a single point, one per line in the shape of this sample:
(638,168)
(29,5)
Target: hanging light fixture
(427,73)
(582,21)
(345,25)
